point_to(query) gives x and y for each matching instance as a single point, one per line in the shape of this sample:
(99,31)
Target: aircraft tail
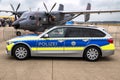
(61,7)
(87,16)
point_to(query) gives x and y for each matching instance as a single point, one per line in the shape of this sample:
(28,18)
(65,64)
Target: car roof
(79,26)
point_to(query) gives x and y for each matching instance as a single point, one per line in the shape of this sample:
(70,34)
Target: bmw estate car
(88,42)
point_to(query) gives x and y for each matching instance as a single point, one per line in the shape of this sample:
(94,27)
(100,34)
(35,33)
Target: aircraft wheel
(18,33)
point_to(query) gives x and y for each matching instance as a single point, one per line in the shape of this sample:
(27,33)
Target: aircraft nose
(16,25)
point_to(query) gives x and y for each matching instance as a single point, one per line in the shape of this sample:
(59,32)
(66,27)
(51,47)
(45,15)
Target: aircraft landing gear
(18,33)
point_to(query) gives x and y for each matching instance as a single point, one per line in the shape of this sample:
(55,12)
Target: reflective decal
(46,44)
(73,43)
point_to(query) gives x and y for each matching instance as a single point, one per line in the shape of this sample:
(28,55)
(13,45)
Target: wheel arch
(98,47)
(21,43)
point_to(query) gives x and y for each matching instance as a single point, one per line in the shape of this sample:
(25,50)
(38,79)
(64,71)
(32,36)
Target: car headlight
(8,43)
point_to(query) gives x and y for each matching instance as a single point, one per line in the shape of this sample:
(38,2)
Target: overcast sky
(70,5)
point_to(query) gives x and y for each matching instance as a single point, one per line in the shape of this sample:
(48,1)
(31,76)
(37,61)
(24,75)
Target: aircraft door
(34,21)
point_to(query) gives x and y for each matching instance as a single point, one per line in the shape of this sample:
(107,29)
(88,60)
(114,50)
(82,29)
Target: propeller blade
(30,9)
(45,7)
(18,7)
(15,17)
(53,7)
(38,9)
(12,7)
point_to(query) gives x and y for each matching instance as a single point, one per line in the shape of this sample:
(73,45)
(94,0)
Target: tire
(18,33)
(21,52)
(92,54)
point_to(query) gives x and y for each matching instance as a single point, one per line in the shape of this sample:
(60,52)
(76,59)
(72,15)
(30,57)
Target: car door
(52,43)
(75,41)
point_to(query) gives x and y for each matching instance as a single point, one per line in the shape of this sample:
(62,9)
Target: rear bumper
(107,52)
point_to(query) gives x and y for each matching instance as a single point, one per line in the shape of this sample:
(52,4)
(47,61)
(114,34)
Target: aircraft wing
(6,11)
(19,12)
(91,12)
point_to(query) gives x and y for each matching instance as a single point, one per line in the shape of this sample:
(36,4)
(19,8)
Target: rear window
(95,33)
(83,32)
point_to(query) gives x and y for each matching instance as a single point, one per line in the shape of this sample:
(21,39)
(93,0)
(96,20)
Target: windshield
(25,15)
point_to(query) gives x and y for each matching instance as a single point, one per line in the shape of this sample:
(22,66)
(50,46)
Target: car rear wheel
(92,54)
(21,52)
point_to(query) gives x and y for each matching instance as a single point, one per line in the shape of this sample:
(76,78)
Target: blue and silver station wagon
(88,42)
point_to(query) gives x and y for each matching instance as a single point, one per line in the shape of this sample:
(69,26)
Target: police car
(63,41)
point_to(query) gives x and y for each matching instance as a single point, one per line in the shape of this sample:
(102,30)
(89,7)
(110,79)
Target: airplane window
(25,15)
(39,18)
(32,17)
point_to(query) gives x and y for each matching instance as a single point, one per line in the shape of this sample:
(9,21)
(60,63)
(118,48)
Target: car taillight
(110,40)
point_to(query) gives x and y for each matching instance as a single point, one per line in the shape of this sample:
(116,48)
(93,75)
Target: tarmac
(42,68)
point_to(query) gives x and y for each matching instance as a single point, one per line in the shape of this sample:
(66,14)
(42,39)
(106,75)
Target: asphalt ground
(42,68)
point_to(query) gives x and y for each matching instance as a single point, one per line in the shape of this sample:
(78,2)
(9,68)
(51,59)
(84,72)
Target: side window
(73,32)
(83,32)
(56,33)
(87,32)
(96,33)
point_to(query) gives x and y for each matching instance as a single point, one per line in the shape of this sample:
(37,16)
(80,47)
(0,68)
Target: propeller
(17,7)
(48,13)
(15,11)
(53,7)
(45,7)
(12,7)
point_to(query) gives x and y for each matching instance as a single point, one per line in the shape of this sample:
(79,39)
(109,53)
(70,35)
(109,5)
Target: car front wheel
(21,52)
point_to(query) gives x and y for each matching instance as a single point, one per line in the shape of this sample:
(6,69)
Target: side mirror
(46,36)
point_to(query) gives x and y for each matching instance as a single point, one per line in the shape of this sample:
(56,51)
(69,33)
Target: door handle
(85,40)
(60,41)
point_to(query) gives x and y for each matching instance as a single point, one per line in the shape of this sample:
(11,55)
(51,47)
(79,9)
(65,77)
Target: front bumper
(9,48)
(8,52)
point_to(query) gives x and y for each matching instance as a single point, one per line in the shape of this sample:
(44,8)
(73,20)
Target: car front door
(51,43)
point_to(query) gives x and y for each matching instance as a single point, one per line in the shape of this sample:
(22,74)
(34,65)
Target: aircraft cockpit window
(39,18)
(32,17)
(24,15)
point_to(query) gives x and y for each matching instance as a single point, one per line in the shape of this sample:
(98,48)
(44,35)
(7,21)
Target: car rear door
(75,41)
